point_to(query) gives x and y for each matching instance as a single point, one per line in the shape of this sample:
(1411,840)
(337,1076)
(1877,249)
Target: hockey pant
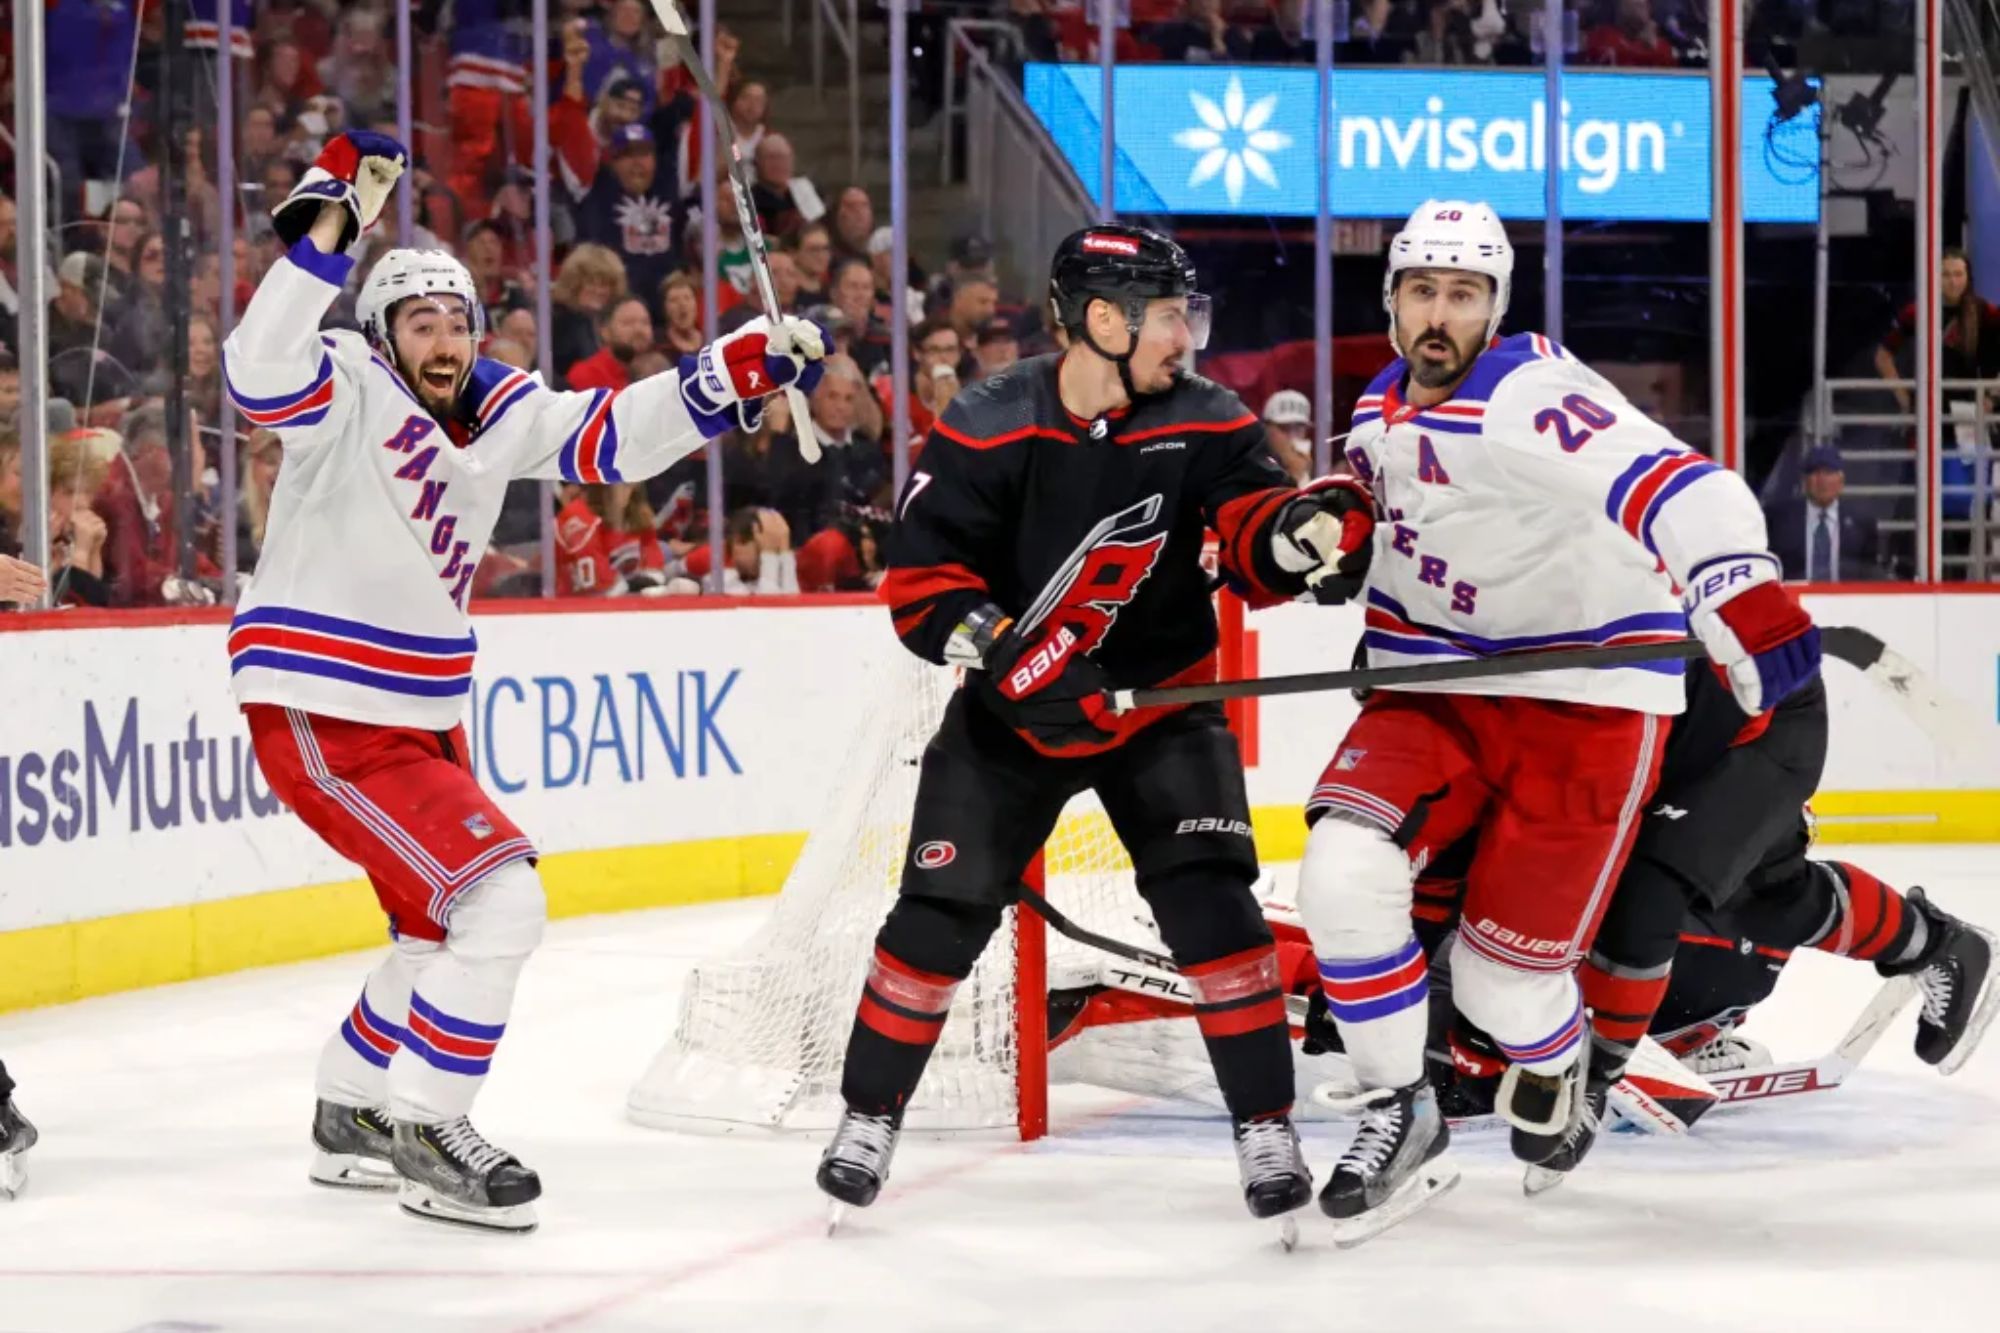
(1554,792)
(986,804)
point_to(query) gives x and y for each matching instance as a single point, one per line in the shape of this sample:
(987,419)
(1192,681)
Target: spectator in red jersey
(757,543)
(624,332)
(136,504)
(846,556)
(1631,38)
(680,299)
(1971,343)
(606,545)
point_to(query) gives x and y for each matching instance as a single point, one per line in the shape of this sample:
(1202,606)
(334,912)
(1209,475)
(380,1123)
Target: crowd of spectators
(626,292)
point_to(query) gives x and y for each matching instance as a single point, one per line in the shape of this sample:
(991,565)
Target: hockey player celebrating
(1525,505)
(352,654)
(16,1137)
(1051,541)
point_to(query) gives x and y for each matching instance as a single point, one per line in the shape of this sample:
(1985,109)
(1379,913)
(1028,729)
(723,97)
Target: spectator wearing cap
(620,44)
(882,259)
(1812,535)
(627,210)
(624,332)
(1288,433)
(812,247)
(785,201)
(621,102)
(997,347)
(853,223)
(971,257)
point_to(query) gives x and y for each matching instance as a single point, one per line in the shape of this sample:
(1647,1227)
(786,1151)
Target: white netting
(762,1032)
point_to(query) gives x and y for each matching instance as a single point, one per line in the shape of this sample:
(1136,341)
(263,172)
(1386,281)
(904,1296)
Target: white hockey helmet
(1452,233)
(401,274)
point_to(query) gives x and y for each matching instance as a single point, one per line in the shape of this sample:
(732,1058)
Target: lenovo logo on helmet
(1110,245)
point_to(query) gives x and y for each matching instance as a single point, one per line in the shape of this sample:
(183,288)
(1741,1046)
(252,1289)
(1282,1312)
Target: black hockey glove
(1327,533)
(1041,684)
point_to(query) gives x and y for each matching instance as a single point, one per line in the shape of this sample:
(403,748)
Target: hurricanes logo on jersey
(1103,574)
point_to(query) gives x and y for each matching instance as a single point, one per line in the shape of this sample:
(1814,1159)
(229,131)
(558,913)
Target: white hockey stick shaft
(1829,1070)
(675,22)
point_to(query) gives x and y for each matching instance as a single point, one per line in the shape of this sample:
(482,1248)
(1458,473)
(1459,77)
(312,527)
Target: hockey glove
(725,384)
(1328,534)
(1753,627)
(1041,684)
(355,170)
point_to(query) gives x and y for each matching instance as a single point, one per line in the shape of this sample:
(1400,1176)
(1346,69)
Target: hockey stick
(1942,716)
(675,22)
(1828,1071)
(1371,678)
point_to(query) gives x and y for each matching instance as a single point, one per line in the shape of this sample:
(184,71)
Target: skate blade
(1982,1013)
(835,1211)
(1288,1233)
(1431,1183)
(421,1202)
(1540,1180)
(351,1171)
(13,1175)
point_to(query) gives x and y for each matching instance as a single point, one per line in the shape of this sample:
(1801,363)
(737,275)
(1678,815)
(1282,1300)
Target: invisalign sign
(1242,139)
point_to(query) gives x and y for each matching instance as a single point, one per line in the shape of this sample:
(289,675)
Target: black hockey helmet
(1127,266)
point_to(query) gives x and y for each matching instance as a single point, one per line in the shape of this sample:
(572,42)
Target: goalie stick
(1828,1071)
(674,20)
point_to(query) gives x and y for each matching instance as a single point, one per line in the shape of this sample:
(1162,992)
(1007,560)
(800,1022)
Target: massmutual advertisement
(1220,139)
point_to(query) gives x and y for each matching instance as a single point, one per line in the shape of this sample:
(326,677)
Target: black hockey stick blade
(1372,678)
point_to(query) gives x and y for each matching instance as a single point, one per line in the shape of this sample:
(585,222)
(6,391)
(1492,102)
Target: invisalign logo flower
(1232,140)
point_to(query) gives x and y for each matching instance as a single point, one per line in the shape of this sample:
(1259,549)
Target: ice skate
(16,1137)
(451,1174)
(1541,1108)
(352,1148)
(1275,1177)
(1390,1171)
(1576,1143)
(1727,1052)
(1954,979)
(855,1165)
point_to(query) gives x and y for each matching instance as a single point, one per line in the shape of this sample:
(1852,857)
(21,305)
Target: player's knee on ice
(1521,1010)
(500,918)
(1206,910)
(1354,889)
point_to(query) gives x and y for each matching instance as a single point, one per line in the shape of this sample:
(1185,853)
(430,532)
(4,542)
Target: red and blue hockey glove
(1327,534)
(725,384)
(1753,628)
(1041,684)
(357,170)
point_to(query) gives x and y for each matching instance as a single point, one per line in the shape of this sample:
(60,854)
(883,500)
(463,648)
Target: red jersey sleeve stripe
(1183,427)
(952,433)
(903,588)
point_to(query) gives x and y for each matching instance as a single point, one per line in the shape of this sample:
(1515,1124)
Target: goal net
(762,1032)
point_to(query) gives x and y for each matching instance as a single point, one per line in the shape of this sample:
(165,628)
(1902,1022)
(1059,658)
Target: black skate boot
(16,1137)
(855,1165)
(1954,978)
(352,1146)
(1541,1108)
(451,1174)
(1387,1172)
(1275,1177)
(1576,1144)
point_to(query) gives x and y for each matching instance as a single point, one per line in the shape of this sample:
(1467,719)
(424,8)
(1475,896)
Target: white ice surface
(169,1189)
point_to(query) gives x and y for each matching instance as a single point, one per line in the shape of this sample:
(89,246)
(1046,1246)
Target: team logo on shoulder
(1350,760)
(935,855)
(479,826)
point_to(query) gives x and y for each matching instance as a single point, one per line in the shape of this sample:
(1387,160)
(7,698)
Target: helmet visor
(1194,319)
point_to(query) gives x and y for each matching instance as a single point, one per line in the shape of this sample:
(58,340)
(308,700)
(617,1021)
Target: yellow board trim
(76,960)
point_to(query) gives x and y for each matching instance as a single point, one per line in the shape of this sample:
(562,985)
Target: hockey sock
(1623,1000)
(925,948)
(1381,1005)
(1865,918)
(354,1065)
(463,994)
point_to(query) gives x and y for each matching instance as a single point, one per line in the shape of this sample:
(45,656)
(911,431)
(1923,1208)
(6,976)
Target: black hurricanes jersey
(1096,525)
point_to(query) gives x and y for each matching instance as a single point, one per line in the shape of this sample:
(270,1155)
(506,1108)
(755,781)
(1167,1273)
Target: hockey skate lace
(1375,1141)
(1935,984)
(1265,1149)
(469,1147)
(866,1141)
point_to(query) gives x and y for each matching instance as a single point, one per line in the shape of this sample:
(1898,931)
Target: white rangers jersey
(380,517)
(1537,509)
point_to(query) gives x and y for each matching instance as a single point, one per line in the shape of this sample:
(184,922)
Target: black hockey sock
(925,948)
(1211,921)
